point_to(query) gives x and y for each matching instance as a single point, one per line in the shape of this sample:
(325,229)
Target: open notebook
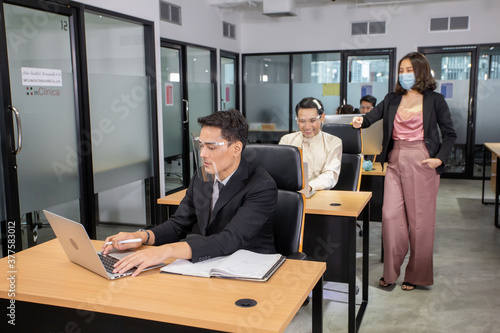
(242,265)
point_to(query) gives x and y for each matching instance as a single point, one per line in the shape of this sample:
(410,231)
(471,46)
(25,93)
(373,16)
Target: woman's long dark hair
(422,71)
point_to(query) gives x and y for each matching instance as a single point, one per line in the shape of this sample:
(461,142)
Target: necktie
(218,186)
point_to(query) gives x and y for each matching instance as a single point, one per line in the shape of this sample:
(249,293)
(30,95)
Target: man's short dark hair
(233,125)
(369,99)
(310,103)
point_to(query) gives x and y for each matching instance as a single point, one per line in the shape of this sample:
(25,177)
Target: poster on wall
(447,90)
(366,89)
(169,94)
(228,94)
(331,89)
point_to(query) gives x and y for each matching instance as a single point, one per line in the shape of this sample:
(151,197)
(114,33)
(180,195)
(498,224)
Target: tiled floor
(465,296)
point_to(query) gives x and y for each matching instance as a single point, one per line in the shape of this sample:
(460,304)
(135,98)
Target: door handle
(19,130)
(470,110)
(186,111)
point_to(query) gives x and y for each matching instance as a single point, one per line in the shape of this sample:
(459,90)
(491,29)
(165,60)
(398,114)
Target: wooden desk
(80,299)
(373,181)
(494,148)
(323,245)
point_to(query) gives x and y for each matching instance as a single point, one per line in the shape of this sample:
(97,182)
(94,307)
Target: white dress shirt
(323,154)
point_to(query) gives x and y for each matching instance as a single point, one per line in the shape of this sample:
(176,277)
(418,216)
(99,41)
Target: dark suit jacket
(435,113)
(241,219)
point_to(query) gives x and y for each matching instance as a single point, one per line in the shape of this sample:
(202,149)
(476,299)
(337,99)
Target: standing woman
(411,116)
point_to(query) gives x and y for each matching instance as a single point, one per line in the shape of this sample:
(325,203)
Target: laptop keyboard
(108,262)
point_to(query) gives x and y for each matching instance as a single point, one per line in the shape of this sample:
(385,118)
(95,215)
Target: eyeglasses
(303,121)
(211,145)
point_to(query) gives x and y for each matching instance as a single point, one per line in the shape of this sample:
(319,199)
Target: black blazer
(241,219)
(435,113)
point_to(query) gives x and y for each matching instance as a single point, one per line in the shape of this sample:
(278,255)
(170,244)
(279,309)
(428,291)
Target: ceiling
(244,5)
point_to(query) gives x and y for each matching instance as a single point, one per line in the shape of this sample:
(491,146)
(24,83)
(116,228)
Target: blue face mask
(407,80)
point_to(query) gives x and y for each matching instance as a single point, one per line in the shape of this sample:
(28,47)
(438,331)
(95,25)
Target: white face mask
(407,80)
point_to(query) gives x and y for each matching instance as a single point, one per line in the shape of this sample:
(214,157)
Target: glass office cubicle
(266,96)
(275,83)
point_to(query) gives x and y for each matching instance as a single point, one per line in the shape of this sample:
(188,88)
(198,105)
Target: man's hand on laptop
(153,256)
(123,236)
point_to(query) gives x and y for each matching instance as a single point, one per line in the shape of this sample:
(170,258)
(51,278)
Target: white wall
(202,25)
(327,27)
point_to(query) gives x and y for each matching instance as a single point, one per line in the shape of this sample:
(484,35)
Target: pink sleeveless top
(408,130)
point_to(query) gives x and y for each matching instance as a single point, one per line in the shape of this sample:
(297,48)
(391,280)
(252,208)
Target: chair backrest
(284,164)
(352,160)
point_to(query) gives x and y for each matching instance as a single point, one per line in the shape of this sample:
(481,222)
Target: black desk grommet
(335,204)
(246,303)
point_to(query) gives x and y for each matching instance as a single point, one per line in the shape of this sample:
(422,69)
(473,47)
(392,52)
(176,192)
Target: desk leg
(484,174)
(317,307)
(352,277)
(366,253)
(497,189)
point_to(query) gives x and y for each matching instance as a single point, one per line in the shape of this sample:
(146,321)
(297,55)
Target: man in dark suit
(235,216)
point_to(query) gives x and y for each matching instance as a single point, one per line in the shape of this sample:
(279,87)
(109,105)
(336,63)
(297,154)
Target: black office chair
(284,164)
(352,160)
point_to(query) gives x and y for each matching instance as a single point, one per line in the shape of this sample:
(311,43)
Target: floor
(465,296)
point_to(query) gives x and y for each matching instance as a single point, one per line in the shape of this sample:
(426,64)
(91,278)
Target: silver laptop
(306,190)
(372,139)
(339,118)
(80,250)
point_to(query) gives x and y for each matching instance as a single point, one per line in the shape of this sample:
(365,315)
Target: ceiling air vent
(368,28)
(459,23)
(449,23)
(228,30)
(170,12)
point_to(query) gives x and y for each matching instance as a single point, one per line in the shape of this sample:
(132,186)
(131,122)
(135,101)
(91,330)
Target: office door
(229,81)
(368,74)
(175,118)
(188,81)
(39,121)
(453,69)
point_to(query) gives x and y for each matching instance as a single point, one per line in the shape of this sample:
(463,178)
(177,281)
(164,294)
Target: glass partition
(201,89)
(228,83)
(172,108)
(452,73)
(120,113)
(487,104)
(367,75)
(316,75)
(267,94)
